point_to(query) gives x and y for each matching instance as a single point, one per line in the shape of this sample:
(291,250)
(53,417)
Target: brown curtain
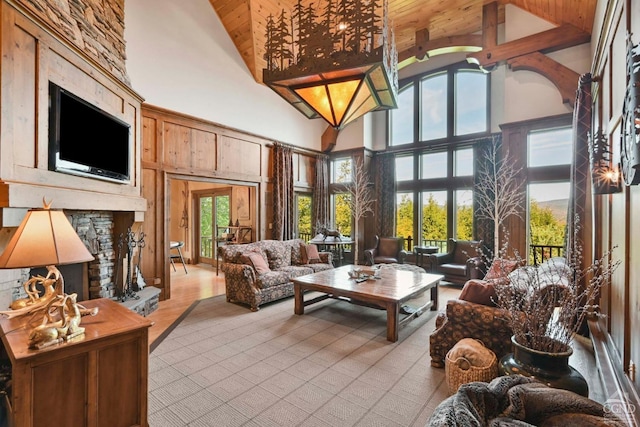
(580,197)
(283,197)
(320,213)
(385,185)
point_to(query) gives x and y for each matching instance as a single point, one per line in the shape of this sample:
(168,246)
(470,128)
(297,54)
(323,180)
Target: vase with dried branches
(546,307)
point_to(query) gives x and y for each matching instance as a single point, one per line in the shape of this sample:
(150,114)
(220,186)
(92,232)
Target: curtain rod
(295,149)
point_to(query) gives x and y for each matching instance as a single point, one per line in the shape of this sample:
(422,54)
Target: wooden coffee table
(394,288)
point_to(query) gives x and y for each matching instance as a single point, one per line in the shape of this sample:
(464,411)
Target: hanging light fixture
(337,64)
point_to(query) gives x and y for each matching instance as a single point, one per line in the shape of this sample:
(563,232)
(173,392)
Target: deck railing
(539,253)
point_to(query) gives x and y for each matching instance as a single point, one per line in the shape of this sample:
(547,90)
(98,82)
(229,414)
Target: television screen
(84,140)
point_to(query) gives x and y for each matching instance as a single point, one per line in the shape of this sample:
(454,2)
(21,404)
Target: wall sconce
(605,179)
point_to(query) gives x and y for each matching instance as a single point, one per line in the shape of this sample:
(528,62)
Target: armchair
(465,319)
(462,263)
(387,250)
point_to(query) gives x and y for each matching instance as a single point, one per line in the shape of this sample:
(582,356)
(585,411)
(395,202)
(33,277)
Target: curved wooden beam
(565,79)
(551,40)
(425,48)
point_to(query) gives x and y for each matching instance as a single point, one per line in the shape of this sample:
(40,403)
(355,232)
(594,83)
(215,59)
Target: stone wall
(94,26)
(95,229)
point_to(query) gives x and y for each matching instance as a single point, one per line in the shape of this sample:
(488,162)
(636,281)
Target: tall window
(444,184)
(549,153)
(464,214)
(402,117)
(433,119)
(341,173)
(448,104)
(405,216)
(303,216)
(440,116)
(434,215)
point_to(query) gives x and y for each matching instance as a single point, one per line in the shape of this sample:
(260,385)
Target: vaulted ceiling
(420,25)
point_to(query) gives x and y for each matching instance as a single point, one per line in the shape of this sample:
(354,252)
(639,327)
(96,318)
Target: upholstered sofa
(250,281)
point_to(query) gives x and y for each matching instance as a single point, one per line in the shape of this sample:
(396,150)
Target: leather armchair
(463,262)
(387,250)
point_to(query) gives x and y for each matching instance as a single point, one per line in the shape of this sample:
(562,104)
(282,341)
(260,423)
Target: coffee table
(394,288)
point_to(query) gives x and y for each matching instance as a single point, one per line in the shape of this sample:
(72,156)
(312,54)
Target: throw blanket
(519,401)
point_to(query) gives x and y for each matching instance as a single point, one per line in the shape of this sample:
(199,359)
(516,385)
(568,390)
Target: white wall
(528,95)
(179,57)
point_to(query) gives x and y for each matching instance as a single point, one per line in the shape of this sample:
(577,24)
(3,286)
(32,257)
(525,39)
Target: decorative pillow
(555,266)
(278,255)
(309,254)
(258,262)
(500,268)
(296,251)
(524,278)
(479,292)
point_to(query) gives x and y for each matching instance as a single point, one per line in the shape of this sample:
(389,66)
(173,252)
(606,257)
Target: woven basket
(457,375)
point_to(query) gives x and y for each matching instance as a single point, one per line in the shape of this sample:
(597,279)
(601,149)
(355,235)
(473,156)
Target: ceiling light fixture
(337,64)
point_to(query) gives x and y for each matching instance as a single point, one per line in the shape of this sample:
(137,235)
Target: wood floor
(200,282)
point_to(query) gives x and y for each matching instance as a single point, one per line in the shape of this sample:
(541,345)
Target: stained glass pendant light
(337,61)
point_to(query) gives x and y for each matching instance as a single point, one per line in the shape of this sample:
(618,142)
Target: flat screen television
(86,141)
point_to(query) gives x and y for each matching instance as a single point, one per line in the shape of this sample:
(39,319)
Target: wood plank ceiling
(245,20)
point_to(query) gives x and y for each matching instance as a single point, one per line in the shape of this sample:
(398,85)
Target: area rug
(224,365)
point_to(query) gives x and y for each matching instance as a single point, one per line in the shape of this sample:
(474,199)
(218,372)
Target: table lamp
(45,238)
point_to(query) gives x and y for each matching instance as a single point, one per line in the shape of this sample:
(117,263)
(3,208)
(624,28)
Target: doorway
(213,213)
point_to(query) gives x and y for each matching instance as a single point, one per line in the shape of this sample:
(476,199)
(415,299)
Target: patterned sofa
(285,260)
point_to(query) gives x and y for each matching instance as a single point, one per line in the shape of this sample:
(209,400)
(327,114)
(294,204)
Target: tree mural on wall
(499,192)
(360,200)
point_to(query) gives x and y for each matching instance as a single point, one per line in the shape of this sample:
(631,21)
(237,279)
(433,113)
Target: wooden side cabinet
(99,379)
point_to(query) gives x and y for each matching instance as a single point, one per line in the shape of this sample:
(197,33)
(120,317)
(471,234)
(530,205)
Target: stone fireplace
(79,46)
(95,229)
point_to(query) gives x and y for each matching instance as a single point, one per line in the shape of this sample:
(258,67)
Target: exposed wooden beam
(329,139)
(565,79)
(551,40)
(417,51)
(490,25)
(426,48)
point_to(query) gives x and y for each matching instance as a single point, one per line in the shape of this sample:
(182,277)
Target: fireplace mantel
(33,50)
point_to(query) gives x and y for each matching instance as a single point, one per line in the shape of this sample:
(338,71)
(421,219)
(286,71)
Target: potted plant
(546,307)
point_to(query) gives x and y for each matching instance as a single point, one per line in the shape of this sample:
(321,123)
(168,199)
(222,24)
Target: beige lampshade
(45,237)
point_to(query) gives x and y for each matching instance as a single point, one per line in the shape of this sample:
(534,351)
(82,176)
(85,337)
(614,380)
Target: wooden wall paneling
(150,137)
(204,144)
(238,157)
(176,147)
(153,259)
(618,284)
(634,284)
(24,84)
(618,66)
